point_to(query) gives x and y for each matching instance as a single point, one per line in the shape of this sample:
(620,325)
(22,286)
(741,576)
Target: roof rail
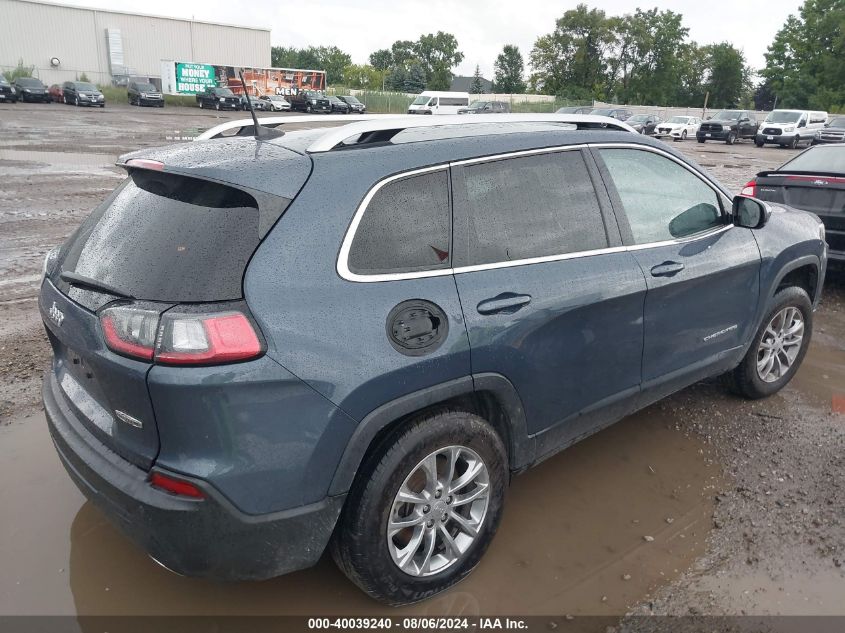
(273,121)
(335,136)
(369,123)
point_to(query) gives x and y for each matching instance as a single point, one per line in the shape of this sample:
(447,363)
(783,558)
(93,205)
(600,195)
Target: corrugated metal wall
(34,32)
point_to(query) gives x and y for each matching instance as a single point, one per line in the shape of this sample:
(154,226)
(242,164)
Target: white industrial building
(63,41)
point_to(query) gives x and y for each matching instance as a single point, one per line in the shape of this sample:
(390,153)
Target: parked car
(82,93)
(678,127)
(30,89)
(575,110)
(56,93)
(354,105)
(814,181)
(832,132)
(728,126)
(241,385)
(789,128)
(486,107)
(257,104)
(643,123)
(142,93)
(617,113)
(339,106)
(276,102)
(310,101)
(8,93)
(438,102)
(219,99)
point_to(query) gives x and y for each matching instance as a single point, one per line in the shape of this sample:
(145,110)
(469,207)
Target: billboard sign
(194,78)
(189,78)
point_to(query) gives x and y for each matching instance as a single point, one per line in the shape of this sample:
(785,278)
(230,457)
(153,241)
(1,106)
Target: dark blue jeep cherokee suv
(352,338)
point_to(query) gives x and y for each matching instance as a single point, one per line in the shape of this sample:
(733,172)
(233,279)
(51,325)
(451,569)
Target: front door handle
(505,303)
(667,269)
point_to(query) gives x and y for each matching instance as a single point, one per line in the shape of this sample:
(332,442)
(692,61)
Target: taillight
(749,189)
(130,331)
(182,335)
(175,486)
(198,339)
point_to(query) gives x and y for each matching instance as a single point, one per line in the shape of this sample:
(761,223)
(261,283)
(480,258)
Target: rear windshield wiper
(87,282)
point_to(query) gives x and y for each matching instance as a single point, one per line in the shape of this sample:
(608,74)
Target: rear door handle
(667,269)
(505,303)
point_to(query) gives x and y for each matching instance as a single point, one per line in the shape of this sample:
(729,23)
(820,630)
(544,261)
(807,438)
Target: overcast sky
(482,27)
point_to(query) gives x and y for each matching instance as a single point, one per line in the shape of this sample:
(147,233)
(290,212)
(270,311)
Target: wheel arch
(802,272)
(489,395)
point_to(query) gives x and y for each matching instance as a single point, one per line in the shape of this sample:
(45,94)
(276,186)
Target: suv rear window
(164,237)
(405,227)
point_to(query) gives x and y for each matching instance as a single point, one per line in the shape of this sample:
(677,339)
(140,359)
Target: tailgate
(107,392)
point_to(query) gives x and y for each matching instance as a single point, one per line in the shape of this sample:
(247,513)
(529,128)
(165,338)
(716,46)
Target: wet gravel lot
(702,504)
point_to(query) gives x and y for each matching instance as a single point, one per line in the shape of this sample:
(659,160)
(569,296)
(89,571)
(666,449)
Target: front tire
(424,507)
(795,142)
(701,140)
(778,348)
(731,138)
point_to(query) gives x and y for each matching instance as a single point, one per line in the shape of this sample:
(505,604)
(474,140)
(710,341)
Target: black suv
(339,105)
(354,104)
(219,99)
(310,101)
(241,383)
(144,93)
(30,89)
(728,126)
(82,93)
(8,94)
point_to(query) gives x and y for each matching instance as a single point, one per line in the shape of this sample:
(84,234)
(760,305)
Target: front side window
(526,207)
(405,227)
(661,199)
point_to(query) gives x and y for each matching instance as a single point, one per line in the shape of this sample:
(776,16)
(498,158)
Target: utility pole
(706,98)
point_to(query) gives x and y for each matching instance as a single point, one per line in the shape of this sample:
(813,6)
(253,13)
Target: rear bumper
(207,537)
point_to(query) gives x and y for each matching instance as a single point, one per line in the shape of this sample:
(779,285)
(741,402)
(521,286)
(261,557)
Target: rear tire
(423,458)
(755,377)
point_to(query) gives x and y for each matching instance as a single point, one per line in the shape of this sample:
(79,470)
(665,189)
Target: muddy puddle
(573,539)
(22,161)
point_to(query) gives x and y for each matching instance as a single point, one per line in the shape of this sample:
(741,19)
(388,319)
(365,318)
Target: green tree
(509,70)
(21,70)
(333,61)
(362,77)
(438,54)
(477,87)
(381,59)
(415,79)
(692,74)
(804,63)
(395,79)
(571,61)
(729,75)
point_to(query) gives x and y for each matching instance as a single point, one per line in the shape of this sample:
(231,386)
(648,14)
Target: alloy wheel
(780,344)
(438,511)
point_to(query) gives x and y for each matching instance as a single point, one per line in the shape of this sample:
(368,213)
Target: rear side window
(405,227)
(163,237)
(525,207)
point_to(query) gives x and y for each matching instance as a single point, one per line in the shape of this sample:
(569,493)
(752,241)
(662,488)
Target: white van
(789,128)
(434,102)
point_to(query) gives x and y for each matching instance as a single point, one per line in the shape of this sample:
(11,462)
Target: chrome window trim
(344,272)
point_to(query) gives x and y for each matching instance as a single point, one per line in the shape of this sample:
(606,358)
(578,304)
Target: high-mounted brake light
(749,189)
(145,163)
(176,486)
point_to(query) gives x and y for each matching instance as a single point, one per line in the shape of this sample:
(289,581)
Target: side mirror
(802,124)
(750,213)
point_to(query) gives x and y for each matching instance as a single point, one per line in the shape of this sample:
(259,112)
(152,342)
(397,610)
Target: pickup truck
(219,99)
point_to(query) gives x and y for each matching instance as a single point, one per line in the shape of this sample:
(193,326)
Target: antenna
(260,131)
